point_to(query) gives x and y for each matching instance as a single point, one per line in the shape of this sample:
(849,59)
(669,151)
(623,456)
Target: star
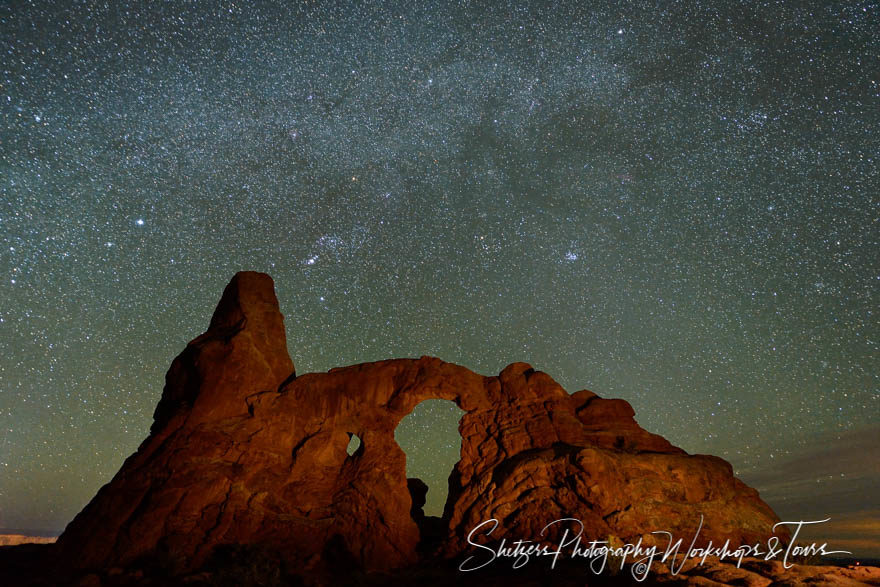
(683,220)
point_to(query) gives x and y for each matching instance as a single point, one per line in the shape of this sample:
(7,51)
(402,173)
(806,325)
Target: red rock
(759,573)
(244,452)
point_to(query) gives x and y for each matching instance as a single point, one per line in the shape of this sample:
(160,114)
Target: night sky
(675,203)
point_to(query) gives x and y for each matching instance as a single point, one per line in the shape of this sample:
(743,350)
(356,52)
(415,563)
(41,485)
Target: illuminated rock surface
(244,452)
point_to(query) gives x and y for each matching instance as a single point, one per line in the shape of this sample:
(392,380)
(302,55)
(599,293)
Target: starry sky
(675,203)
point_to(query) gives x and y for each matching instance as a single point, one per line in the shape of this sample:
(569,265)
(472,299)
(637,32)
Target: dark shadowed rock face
(243,452)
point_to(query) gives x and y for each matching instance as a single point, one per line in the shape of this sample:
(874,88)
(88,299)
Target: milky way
(674,203)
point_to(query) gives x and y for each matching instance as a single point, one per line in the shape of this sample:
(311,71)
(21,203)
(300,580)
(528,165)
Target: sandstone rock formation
(242,451)
(762,573)
(16,539)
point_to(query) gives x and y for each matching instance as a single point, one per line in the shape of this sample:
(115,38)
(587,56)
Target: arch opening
(354,443)
(429,436)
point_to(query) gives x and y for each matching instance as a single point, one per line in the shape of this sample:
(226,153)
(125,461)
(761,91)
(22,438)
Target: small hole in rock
(353,444)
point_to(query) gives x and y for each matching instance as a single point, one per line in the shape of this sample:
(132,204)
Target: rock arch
(243,451)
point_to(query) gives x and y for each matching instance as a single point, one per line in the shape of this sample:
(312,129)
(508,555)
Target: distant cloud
(836,477)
